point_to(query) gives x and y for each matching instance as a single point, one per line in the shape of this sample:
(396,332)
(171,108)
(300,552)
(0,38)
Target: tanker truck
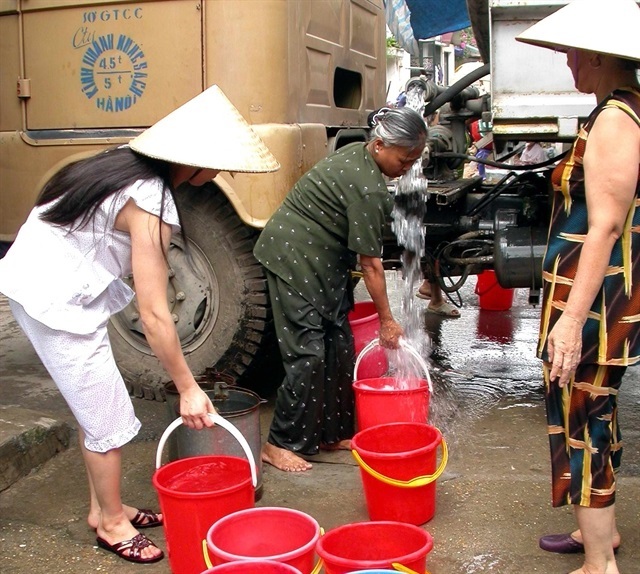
(78,76)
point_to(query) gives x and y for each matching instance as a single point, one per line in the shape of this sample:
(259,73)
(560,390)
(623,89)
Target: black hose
(500,165)
(452,91)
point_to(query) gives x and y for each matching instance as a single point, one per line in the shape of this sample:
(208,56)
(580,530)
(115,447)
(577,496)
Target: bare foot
(340,445)
(424,291)
(283,459)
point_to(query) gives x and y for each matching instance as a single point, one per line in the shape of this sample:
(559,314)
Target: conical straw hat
(607,27)
(207,132)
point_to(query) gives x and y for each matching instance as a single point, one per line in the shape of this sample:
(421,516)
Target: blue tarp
(431,18)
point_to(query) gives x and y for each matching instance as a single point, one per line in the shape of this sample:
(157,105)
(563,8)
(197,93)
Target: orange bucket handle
(412,483)
(402,568)
(205,555)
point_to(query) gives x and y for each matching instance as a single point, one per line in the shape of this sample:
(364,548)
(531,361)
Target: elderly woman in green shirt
(334,213)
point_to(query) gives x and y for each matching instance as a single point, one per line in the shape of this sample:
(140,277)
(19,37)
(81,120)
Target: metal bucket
(239,406)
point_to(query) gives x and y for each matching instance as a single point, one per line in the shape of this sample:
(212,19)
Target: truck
(78,76)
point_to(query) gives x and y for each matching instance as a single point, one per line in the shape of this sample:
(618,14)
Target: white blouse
(72,280)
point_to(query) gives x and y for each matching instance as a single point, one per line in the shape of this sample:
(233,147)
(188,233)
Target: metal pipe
(454,90)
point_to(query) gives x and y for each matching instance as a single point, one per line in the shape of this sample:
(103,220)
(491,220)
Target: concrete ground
(492,500)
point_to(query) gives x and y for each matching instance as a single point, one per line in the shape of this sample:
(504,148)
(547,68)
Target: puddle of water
(480,563)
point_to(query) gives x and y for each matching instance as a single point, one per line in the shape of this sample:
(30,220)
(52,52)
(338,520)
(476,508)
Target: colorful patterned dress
(585,439)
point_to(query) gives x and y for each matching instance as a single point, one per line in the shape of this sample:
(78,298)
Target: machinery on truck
(497,223)
(78,76)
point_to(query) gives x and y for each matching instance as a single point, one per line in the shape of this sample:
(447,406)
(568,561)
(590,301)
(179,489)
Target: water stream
(407,224)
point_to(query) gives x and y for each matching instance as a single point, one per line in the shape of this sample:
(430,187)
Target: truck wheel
(221,311)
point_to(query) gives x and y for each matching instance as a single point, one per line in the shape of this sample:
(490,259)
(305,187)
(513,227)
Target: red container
(373,545)
(491,295)
(365,325)
(194,493)
(269,533)
(387,400)
(402,452)
(253,567)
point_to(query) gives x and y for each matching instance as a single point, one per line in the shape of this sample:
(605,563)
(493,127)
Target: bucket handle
(407,347)
(205,554)
(225,424)
(403,568)
(320,562)
(318,566)
(412,483)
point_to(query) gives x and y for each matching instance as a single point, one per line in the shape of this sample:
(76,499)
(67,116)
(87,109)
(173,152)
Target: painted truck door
(110,65)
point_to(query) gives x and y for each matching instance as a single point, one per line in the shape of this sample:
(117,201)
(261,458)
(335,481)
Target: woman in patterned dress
(590,324)
(96,221)
(335,212)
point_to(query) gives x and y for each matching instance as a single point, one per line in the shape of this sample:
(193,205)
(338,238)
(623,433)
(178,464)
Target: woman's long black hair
(79,188)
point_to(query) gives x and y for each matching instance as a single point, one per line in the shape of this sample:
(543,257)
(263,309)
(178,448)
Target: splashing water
(415,98)
(407,224)
(408,216)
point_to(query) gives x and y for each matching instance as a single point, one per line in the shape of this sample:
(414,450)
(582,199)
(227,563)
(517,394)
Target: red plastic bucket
(364,322)
(253,567)
(381,400)
(368,545)
(398,467)
(388,400)
(365,326)
(269,533)
(193,493)
(491,295)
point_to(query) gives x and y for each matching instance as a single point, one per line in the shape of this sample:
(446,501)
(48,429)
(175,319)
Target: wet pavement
(492,501)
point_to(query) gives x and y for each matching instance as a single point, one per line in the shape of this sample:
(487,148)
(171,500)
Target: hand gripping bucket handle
(225,424)
(412,483)
(404,345)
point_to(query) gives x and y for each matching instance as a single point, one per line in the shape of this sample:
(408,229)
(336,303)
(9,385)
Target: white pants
(83,368)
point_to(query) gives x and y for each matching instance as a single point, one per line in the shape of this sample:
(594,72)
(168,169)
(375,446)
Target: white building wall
(398,72)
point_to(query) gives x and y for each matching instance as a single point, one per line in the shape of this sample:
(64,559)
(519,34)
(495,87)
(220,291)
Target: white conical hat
(207,132)
(610,27)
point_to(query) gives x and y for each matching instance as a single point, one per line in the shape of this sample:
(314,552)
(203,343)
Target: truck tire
(221,314)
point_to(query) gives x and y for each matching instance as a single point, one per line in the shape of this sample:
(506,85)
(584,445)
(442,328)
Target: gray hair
(402,127)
